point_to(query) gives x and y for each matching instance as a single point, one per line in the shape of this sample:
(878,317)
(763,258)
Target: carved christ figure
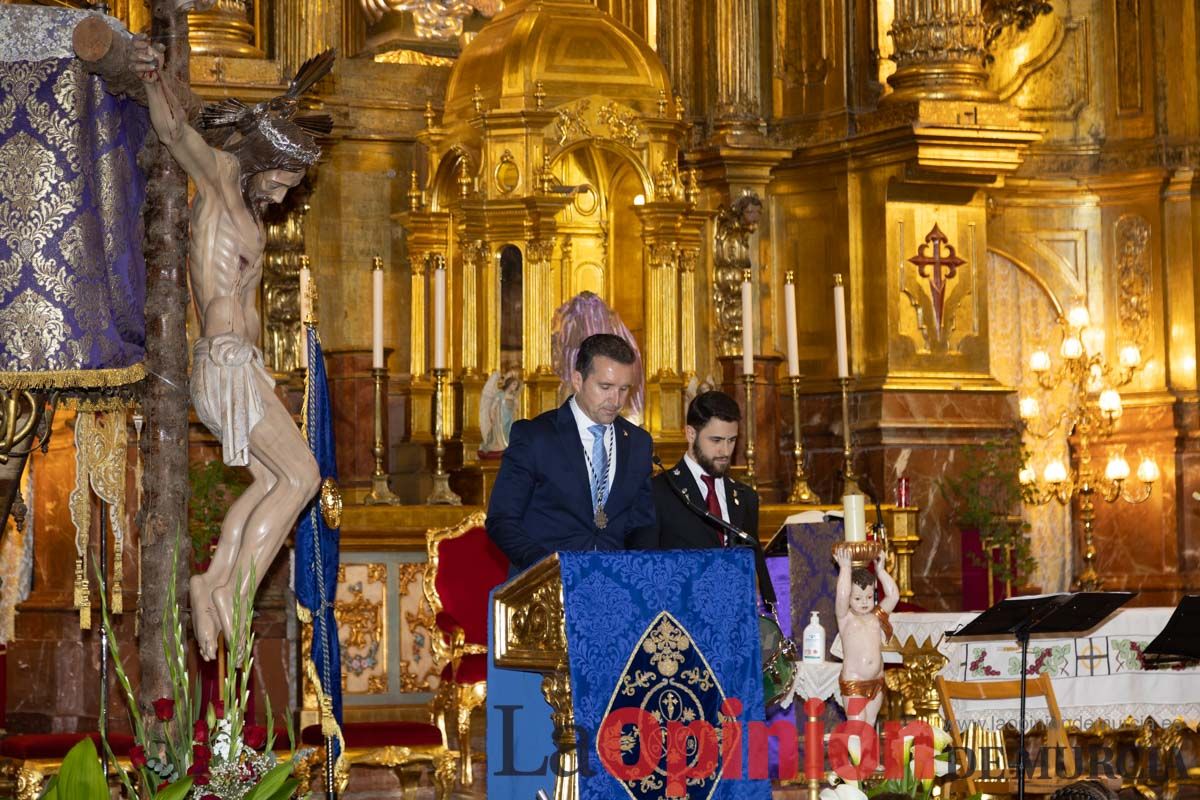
(265,154)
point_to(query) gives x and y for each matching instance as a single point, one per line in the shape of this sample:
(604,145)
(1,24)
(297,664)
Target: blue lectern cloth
(615,604)
(627,615)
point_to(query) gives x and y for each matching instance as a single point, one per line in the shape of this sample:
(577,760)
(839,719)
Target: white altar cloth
(1099,675)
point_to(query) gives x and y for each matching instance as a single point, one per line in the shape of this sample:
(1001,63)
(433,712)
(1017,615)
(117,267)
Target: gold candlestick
(381,493)
(801,494)
(442,494)
(851,479)
(749,477)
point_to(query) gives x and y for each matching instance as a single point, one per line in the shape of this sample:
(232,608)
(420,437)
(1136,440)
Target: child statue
(864,629)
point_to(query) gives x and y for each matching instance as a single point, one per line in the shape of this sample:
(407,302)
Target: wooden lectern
(531,635)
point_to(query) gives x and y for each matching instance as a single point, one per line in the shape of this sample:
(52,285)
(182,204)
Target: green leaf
(287,790)
(176,791)
(81,776)
(51,790)
(271,783)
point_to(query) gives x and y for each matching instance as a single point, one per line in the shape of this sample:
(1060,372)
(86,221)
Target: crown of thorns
(286,139)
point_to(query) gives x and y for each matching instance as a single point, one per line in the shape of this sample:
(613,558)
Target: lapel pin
(676,472)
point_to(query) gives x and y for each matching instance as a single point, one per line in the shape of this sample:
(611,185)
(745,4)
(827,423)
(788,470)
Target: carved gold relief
(1133,278)
(538,625)
(419,671)
(622,124)
(735,224)
(361,613)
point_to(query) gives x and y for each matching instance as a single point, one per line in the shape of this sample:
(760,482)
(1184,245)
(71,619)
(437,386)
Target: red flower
(201,755)
(164,709)
(209,797)
(200,780)
(255,736)
(200,732)
(137,756)
(198,771)
(163,785)
(218,709)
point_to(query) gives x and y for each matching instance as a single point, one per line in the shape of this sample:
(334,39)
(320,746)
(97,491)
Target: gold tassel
(85,597)
(117,604)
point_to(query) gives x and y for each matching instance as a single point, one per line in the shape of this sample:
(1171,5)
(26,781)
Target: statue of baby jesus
(864,629)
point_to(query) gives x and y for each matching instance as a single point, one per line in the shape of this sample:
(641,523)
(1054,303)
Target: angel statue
(497,409)
(580,317)
(263,151)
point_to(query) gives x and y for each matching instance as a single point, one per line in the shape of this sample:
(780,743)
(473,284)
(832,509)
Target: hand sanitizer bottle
(814,640)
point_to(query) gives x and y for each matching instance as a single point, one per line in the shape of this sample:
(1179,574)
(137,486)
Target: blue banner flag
(317,545)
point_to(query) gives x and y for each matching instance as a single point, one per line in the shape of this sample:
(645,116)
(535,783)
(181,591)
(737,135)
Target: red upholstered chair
(464,566)
(28,759)
(390,743)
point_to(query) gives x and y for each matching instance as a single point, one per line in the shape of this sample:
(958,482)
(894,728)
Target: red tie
(714,505)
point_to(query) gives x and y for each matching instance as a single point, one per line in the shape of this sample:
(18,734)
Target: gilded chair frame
(452,698)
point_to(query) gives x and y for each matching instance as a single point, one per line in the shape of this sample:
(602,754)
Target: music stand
(1023,616)
(1180,639)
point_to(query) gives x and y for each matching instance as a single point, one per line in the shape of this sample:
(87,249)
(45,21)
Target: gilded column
(229,28)
(664,387)
(739,82)
(471,381)
(939,51)
(687,311)
(675,44)
(420,389)
(309,27)
(541,383)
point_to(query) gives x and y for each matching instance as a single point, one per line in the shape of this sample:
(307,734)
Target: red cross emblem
(931,266)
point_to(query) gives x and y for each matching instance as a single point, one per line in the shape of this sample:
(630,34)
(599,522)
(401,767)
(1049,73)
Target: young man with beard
(701,478)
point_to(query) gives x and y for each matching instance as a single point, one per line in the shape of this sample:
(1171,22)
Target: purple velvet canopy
(72,276)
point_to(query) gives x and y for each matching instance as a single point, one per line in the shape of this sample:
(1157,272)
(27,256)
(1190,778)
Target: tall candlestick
(442,493)
(747,324)
(305,309)
(381,493)
(839,321)
(854,506)
(377,315)
(789,317)
(801,494)
(439,315)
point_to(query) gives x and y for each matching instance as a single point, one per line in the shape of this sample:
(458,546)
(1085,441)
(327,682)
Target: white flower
(941,739)
(854,748)
(843,791)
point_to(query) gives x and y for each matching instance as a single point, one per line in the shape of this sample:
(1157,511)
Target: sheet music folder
(1055,613)
(1180,639)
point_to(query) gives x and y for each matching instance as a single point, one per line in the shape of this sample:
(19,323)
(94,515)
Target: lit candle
(789,315)
(839,321)
(305,312)
(747,324)
(377,316)
(439,316)
(854,508)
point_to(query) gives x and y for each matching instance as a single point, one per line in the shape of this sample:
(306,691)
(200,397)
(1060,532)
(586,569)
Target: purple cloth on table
(72,276)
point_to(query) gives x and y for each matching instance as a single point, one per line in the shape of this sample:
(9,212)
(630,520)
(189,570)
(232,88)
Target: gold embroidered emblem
(331,503)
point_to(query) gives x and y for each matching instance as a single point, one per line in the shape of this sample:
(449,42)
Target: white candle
(747,325)
(439,318)
(839,321)
(305,281)
(854,506)
(789,316)
(377,318)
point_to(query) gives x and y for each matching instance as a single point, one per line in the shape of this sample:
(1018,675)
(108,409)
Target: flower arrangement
(191,753)
(909,784)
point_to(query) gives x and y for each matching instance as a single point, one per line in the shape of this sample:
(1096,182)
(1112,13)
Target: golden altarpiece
(972,168)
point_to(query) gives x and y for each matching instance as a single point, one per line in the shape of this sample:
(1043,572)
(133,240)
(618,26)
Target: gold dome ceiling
(572,47)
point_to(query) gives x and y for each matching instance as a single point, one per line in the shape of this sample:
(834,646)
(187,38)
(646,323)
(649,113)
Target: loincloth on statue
(226,391)
(867,689)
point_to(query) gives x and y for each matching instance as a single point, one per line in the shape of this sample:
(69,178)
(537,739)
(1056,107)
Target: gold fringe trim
(329,724)
(73,378)
(83,599)
(116,605)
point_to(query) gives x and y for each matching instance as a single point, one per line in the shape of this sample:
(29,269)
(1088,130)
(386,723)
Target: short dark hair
(608,345)
(712,404)
(862,577)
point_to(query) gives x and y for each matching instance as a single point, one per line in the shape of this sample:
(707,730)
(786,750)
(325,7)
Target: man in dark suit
(578,477)
(702,478)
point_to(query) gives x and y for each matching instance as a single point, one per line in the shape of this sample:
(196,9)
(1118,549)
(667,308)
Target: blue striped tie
(599,463)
